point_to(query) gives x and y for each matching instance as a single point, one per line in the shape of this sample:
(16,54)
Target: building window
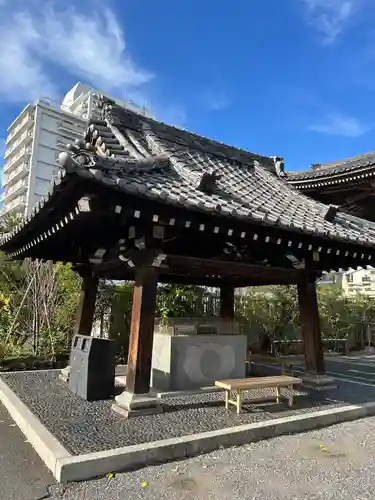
(366,278)
(349,278)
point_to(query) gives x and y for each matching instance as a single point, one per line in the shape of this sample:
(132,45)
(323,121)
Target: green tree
(268,313)
(41,304)
(176,301)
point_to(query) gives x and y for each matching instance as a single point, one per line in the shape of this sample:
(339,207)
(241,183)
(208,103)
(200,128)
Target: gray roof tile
(335,170)
(247,189)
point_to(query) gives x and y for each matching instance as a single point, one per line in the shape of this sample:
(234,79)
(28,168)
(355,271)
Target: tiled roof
(246,189)
(339,170)
(147,158)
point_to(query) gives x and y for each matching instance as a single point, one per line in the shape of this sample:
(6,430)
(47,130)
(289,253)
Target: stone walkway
(337,463)
(23,476)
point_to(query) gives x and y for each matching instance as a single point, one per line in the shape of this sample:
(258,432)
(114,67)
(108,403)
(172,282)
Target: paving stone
(23,475)
(336,463)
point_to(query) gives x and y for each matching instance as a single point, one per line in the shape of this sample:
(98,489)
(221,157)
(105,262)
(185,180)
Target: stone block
(193,361)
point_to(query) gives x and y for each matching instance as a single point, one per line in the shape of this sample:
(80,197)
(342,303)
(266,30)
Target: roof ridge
(106,113)
(321,168)
(347,159)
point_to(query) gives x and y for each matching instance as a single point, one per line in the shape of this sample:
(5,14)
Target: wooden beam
(142,331)
(310,324)
(198,271)
(179,279)
(86,307)
(193,265)
(227,302)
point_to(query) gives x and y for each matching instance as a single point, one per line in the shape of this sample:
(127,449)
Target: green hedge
(21,363)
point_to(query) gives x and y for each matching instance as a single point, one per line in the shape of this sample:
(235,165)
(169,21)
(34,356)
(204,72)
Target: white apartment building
(352,282)
(36,138)
(359,281)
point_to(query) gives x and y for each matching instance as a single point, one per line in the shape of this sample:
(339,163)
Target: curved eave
(45,213)
(92,165)
(308,181)
(92,172)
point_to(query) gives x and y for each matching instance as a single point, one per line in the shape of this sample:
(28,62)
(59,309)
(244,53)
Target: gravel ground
(84,427)
(335,463)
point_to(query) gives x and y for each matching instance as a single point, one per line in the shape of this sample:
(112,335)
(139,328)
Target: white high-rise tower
(35,139)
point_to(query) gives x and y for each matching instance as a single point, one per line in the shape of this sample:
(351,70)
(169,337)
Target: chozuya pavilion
(144,201)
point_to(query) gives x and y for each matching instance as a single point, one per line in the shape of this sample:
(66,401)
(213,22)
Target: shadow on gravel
(85,427)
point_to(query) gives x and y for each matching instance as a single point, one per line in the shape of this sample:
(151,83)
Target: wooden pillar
(310,324)
(142,331)
(86,306)
(199,306)
(227,302)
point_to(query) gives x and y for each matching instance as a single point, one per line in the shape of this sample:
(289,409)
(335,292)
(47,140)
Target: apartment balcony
(68,137)
(16,159)
(26,123)
(365,288)
(14,190)
(18,205)
(18,173)
(23,139)
(72,130)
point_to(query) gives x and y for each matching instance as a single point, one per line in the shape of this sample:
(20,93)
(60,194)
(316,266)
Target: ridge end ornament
(79,154)
(208,181)
(279,165)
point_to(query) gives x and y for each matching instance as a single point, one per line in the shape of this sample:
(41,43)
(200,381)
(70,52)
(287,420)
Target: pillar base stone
(64,374)
(318,382)
(134,405)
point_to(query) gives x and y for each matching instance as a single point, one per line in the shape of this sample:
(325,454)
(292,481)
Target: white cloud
(36,44)
(330,17)
(341,125)
(172,114)
(216,100)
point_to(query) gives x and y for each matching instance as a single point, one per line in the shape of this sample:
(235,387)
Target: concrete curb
(66,467)
(45,444)
(75,468)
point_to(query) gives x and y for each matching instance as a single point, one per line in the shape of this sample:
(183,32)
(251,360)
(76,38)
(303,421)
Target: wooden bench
(245,384)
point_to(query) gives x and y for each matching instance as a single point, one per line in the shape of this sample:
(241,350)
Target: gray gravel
(84,427)
(334,463)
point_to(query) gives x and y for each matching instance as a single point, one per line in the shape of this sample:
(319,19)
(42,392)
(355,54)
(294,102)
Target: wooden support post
(199,306)
(315,377)
(310,324)
(142,331)
(137,398)
(86,306)
(227,302)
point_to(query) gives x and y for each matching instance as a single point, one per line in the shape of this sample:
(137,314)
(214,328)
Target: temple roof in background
(341,171)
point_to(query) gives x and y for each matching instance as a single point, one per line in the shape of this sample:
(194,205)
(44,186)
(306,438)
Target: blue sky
(278,77)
